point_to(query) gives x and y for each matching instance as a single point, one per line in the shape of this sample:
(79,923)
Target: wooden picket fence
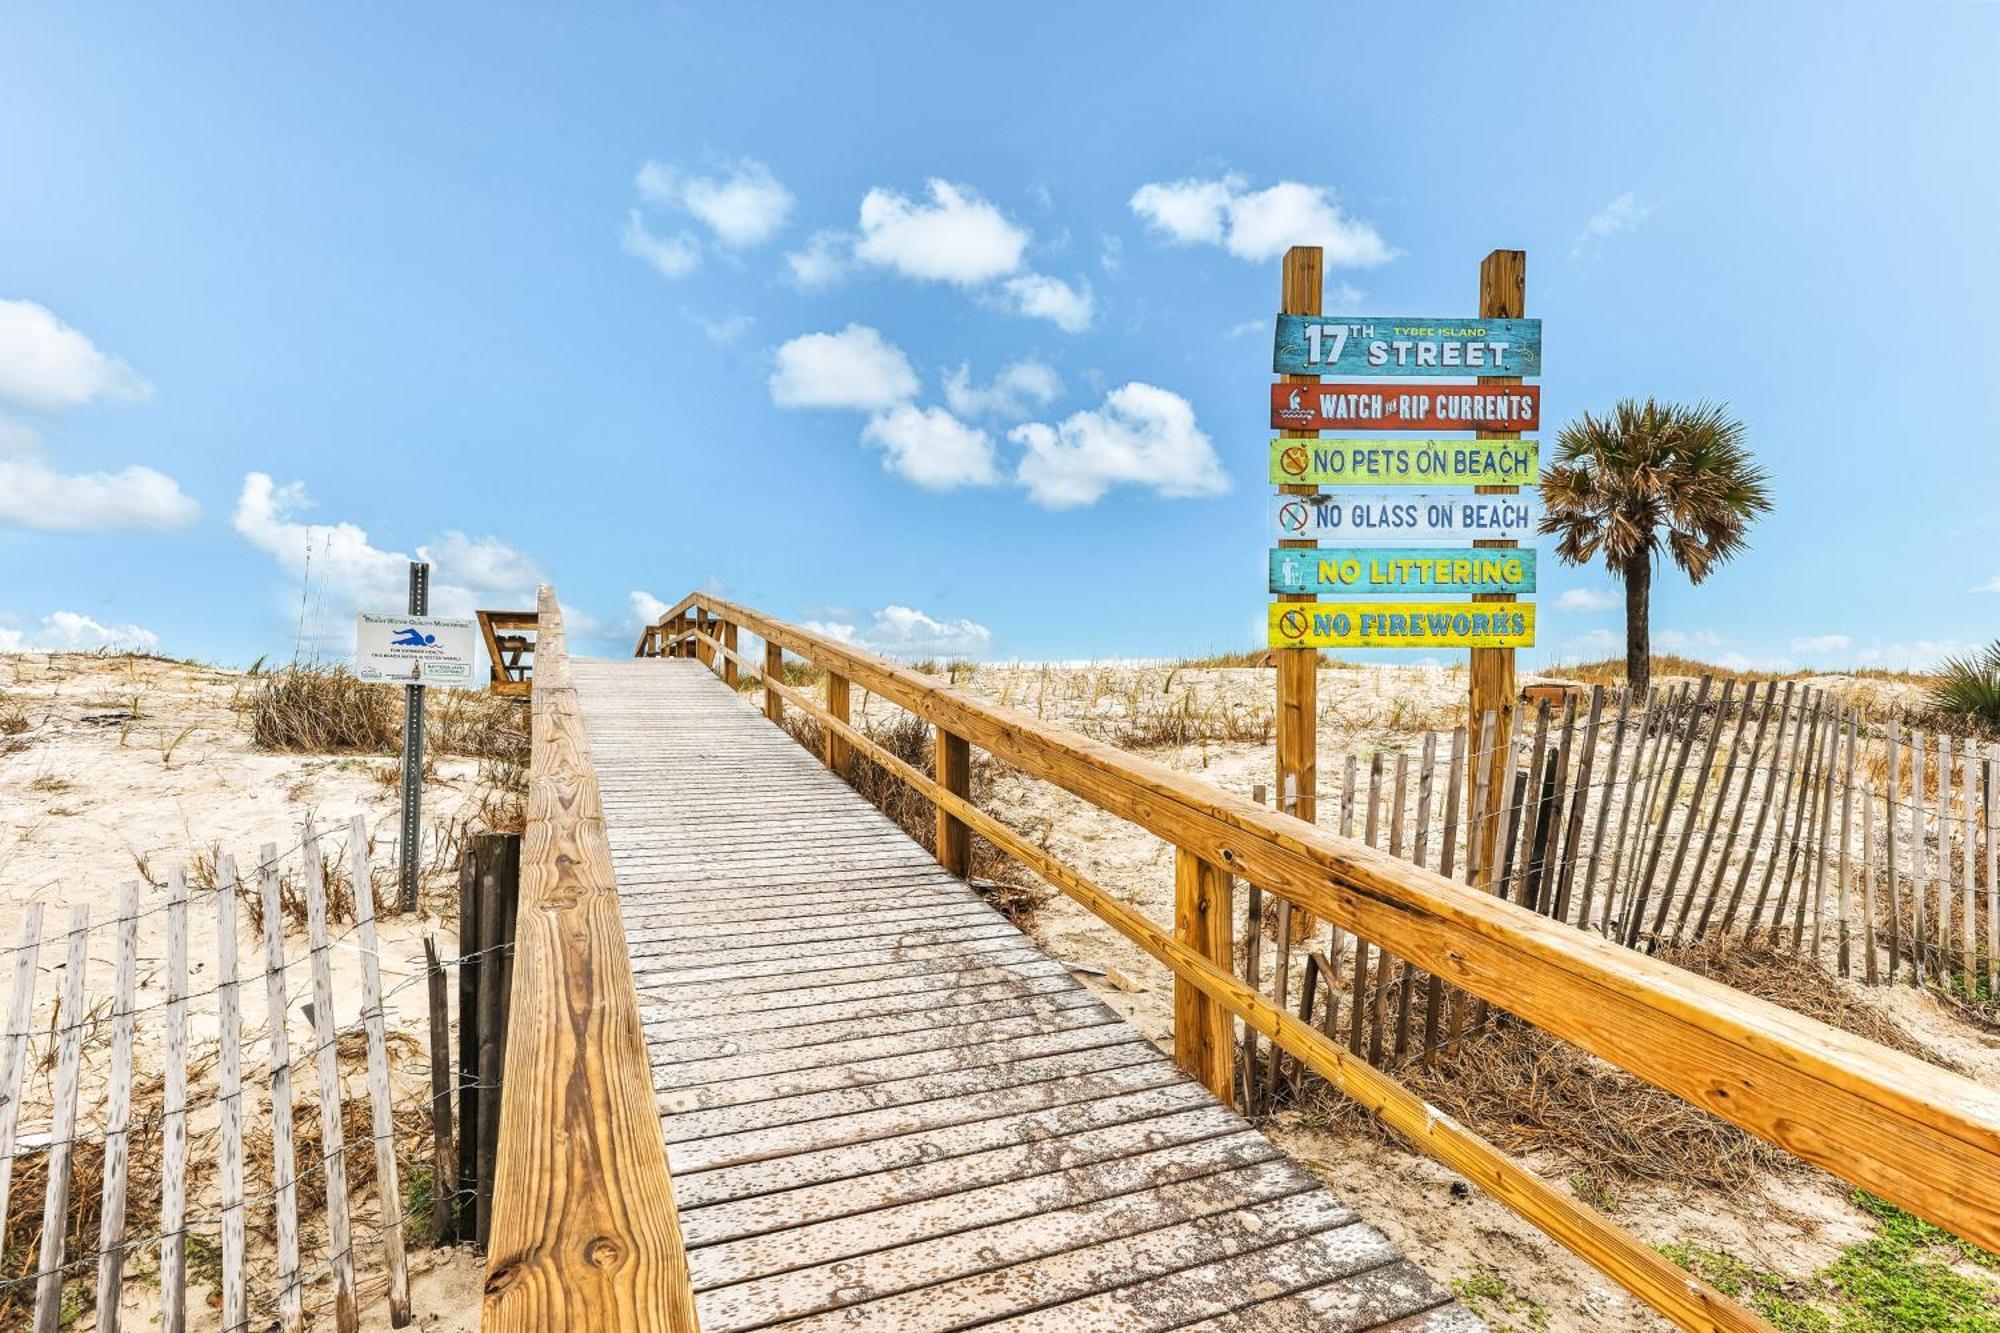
(55,1279)
(1764,809)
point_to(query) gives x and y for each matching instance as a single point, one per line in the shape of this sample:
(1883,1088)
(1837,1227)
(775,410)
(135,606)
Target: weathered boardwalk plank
(885,1108)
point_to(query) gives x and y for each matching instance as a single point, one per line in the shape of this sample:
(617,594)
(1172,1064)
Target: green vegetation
(1646,480)
(1968,688)
(1487,1295)
(1910,1275)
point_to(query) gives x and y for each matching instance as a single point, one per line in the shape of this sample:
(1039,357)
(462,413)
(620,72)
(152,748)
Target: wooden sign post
(1298,668)
(1503,294)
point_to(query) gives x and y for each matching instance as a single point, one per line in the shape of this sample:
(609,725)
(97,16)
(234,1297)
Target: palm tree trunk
(1638,631)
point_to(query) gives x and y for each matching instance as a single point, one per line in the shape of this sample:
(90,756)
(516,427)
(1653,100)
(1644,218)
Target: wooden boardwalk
(885,1108)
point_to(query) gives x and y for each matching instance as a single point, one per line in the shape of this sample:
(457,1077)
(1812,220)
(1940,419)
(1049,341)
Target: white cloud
(1020,388)
(136,499)
(1142,436)
(856,368)
(837,630)
(74,632)
(957,237)
(1620,215)
(823,262)
(1594,644)
(1588,599)
(722,332)
(1038,296)
(1991,585)
(903,631)
(1681,641)
(1823,645)
(1246,327)
(1916,655)
(743,206)
(931,447)
(47,366)
(343,571)
(646,608)
(672,256)
(1259,225)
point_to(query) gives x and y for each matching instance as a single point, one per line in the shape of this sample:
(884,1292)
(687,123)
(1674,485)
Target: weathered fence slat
(1604,809)
(1869,935)
(1846,834)
(1371,824)
(1636,918)
(1736,815)
(229,1078)
(1579,803)
(326,1060)
(1992,874)
(1523,890)
(1892,784)
(1722,711)
(388,1188)
(1968,797)
(1802,744)
(444,1160)
(62,1128)
(1379,1015)
(1454,775)
(1641,742)
(284,1155)
(173,1124)
(118,1117)
(14,1063)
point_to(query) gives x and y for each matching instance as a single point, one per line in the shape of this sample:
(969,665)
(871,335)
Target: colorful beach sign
(1405,462)
(1386,516)
(1378,571)
(1496,407)
(1402,345)
(1402,625)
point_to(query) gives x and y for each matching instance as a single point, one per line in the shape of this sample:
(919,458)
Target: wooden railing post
(1204,1031)
(774,670)
(836,704)
(703,653)
(954,774)
(729,676)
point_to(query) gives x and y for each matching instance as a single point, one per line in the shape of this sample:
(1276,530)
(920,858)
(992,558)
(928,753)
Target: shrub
(1969,687)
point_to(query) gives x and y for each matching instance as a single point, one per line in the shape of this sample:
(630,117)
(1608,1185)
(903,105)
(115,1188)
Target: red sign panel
(1419,407)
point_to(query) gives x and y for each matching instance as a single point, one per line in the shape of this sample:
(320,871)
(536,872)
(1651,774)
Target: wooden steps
(886,1109)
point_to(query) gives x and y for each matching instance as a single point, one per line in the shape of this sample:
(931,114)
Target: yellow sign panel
(1402,624)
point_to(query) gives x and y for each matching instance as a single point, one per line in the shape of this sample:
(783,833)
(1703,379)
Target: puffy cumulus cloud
(1142,436)
(646,608)
(1622,214)
(955,237)
(1020,388)
(932,448)
(1588,599)
(671,256)
(904,631)
(742,204)
(134,499)
(47,366)
(1038,296)
(1991,585)
(821,263)
(74,632)
(1823,646)
(855,368)
(343,571)
(1259,224)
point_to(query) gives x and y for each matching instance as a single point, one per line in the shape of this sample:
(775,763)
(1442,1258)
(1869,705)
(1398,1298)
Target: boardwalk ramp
(886,1108)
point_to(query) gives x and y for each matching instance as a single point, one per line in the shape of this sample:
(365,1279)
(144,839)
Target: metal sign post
(408,849)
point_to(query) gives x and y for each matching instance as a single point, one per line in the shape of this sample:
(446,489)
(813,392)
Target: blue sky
(951,327)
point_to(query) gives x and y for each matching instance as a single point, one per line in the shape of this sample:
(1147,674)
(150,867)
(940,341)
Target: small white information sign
(416,650)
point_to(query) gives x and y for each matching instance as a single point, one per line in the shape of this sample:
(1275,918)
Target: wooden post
(444,1160)
(954,774)
(774,672)
(497,868)
(1503,286)
(1204,1031)
(836,704)
(729,676)
(466,1178)
(1298,668)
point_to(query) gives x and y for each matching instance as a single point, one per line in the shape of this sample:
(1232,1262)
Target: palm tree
(1652,476)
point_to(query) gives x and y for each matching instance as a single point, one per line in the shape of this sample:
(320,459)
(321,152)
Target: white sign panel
(416,650)
(1403,516)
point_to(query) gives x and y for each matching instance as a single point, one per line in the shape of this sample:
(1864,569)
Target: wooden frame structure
(510,655)
(1916,1135)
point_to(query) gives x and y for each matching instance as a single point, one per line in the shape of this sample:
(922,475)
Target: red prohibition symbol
(1293,624)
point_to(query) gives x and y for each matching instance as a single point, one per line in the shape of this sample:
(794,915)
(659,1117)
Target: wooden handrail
(585,1235)
(1918,1136)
